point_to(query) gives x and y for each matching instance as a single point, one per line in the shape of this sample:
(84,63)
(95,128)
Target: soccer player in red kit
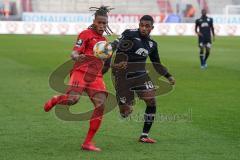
(87,74)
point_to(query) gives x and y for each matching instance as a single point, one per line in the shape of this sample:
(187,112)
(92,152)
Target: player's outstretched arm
(212,29)
(161,69)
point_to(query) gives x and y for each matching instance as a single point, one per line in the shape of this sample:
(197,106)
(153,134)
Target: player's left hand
(171,80)
(214,38)
(199,34)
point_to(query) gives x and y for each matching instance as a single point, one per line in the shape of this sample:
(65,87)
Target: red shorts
(82,81)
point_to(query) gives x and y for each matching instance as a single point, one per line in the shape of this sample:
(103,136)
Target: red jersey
(84,45)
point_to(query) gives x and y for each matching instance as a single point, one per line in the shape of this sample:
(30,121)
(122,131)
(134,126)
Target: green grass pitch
(208,99)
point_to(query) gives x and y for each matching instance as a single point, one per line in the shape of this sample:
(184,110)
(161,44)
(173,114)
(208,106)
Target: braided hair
(102,11)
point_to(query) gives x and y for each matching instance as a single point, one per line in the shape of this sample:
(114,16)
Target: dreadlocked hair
(102,11)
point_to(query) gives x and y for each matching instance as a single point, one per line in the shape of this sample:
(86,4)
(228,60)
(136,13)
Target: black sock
(148,120)
(206,56)
(202,57)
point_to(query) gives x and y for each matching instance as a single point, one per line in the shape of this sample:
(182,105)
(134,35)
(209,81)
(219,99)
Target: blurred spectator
(1,8)
(173,18)
(190,11)
(6,8)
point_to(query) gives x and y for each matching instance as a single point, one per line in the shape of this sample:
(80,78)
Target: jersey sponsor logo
(142,52)
(205,25)
(79,43)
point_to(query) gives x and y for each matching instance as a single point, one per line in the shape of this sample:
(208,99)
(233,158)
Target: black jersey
(205,25)
(132,47)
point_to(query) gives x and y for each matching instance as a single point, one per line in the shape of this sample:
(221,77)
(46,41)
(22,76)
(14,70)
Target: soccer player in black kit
(133,48)
(204,28)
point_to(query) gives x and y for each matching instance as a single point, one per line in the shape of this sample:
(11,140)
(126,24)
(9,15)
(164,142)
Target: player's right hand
(121,65)
(171,80)
(200,34)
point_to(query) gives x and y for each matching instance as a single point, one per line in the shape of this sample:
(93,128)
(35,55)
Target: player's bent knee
(150,101)
(99,99)
(125,110)
(73,100)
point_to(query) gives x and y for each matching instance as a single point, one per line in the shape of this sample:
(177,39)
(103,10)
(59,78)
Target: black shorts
(127,86)
(205,41)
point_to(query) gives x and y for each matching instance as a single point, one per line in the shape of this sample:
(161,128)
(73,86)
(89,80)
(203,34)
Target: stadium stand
(218,7)
(187,10)
(75,6)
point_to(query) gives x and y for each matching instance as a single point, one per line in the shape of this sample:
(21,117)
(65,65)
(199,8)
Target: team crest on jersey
(150,44)
(208,19)
(79,43)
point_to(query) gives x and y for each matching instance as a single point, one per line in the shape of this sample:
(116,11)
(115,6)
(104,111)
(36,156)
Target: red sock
(95,123)
(62,99)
